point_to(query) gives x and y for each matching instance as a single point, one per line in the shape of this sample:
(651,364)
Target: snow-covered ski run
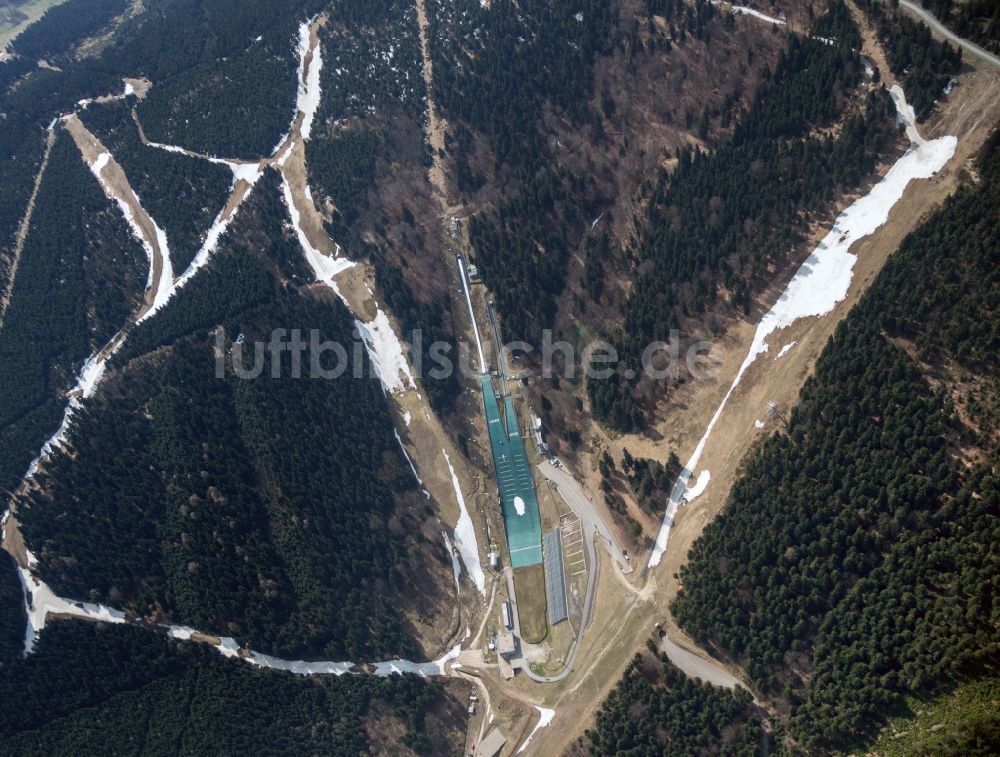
(822,280)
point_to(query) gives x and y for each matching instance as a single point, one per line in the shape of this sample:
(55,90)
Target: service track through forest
(350,281)
(22,229)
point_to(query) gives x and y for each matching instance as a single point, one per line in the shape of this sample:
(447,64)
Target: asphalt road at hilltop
(931,20)
(585,510)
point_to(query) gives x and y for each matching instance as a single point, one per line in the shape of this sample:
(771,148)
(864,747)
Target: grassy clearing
(529,586)
(33,10)
(966,721)
(561,638)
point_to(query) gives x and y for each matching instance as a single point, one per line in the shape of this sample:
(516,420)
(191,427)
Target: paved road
(931,20)
(696,666)
(585,510)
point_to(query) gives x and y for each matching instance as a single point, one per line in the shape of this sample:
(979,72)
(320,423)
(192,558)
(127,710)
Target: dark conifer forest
(65,26)
(730,216)
(180,46)
(124,690)
(978,20)
(499,68)
(12,618)
(656,709)
(923,65)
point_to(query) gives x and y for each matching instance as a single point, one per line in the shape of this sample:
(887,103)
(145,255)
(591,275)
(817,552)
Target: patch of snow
(165,286)
(579,16)
(212,237)
(98,165)
(905,114)
(784,350)
(386,353)
(90,376)
(176,149)
(456,566)
(55,441)
(307,100)
(300,667)
(750,12)
(472,315)
(324,267)
(544,718)
(248,172)
(699,486)
(465,535)
(208,247)
(228,647)
(165,283)
(519,505)
(424,669)
(407,456)
(824,278)
(595,221)
(283,158)
(86,384)
(40,600)
(406,417)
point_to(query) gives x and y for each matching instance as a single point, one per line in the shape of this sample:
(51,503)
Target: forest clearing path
(22,229)
(435,127)
(116,187)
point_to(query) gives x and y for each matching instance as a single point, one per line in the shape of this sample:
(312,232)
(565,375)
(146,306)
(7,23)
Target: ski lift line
(501,364)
